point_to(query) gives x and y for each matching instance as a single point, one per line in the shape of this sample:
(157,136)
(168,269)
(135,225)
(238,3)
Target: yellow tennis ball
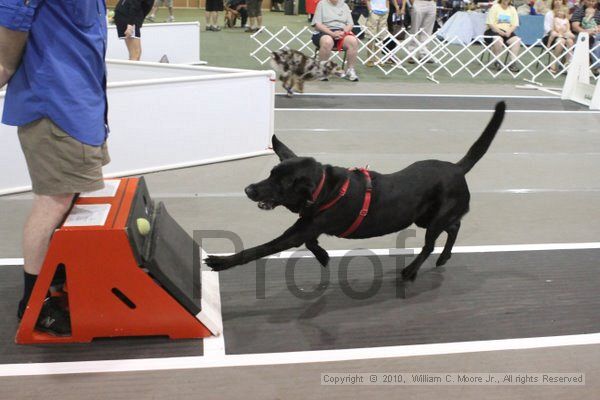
(143,226)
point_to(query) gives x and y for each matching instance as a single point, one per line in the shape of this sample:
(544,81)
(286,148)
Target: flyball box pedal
(131,270)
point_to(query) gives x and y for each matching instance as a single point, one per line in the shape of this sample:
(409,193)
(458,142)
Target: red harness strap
(365,208)
(341,194)
(366,201)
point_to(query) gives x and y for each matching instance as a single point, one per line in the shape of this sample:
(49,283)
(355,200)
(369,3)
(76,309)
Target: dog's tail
(483,143)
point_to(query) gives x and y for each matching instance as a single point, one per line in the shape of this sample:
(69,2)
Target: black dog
(332,200)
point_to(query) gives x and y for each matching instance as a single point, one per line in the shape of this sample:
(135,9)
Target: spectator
(578,27)
(540,7)
(277,5)
(557,31)
(129,17)
(233,10)
(377,22)
(57,98)
(157,3)
(333,22)
(254,15)
(358,8)
(502,21)
(212,14)
(422,16)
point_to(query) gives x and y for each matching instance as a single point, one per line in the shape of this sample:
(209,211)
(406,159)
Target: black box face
(142,206)
(174,260)
(171,256)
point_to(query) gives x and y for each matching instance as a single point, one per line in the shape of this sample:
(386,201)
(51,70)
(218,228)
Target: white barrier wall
(172,116)
(180,41)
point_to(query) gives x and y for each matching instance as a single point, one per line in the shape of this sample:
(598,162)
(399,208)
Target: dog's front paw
(220,263)
(322,257)
(409,274)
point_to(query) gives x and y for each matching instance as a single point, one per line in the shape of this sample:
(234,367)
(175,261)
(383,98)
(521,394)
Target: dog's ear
(282,151)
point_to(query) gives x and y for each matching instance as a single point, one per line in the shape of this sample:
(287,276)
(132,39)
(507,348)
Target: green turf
(232,48)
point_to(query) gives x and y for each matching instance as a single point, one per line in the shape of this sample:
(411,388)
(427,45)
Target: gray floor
(341,101)
(538,184)
(302,381)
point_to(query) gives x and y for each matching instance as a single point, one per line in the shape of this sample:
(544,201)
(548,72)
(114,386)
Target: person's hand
(130,31)
(338,34)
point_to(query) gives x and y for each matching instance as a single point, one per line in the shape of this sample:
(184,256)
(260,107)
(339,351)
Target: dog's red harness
(366,201)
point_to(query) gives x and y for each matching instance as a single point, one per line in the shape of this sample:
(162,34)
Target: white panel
(180,41)
(161,123)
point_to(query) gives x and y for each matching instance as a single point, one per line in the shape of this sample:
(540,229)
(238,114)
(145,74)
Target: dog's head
(280,57)
(329,68)
(290,184)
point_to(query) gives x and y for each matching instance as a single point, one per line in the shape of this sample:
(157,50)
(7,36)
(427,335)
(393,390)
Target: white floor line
(210,316)
(491,96)
(437,110)
(496,248)
(4,262)
(369,353)
(437,250)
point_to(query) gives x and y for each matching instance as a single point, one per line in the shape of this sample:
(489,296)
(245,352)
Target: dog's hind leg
(447,252)
(319,252)
(447,216)
(410,273)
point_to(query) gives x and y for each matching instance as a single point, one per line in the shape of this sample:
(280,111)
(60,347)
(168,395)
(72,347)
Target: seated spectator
(333,23)
(502,21)
(233,10)
(557,32)
(578,26)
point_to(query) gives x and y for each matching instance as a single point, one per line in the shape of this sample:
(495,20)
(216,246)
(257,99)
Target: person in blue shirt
(57,99)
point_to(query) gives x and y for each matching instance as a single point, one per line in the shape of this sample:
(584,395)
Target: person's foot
(53,319)
(351,75)
(514,68)
(324,79)
(370,64)
(170,19)
(250,29)
(216,28)
(412,61)
(150,18)
(497,66)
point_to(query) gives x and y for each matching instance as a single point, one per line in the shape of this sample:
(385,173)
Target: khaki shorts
(377,23)
(58,163)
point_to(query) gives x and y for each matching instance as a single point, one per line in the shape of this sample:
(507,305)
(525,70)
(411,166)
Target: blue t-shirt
(62,75)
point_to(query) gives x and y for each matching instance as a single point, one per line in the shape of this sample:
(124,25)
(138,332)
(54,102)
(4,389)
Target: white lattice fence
(391,53)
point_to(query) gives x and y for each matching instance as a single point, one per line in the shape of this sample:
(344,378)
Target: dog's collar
(317,191)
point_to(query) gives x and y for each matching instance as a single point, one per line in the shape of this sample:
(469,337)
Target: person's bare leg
(12,44)
(351,46)
(259,22)
(47,212)
(134,46)
(558,50)
(325,46)
(154,10)
(514,47)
